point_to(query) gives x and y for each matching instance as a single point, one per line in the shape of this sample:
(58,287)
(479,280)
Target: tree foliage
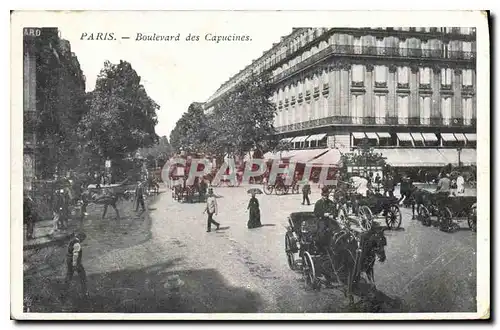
(158,153)
(121,116)
(242,120)
(60,95)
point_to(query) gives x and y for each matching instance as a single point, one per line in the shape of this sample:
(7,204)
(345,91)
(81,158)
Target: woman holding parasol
(253,206)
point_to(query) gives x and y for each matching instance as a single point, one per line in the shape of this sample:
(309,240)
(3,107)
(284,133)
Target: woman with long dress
(254,216)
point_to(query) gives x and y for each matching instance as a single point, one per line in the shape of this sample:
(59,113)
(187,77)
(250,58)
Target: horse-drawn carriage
(341,259)
(373,206)
(448,210)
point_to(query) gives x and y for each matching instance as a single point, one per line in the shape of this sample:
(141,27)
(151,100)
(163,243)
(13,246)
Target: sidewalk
(42,237)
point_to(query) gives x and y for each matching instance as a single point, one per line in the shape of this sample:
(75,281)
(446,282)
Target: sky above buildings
(174,73)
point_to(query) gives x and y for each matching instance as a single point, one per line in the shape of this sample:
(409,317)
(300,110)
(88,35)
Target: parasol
(254,191)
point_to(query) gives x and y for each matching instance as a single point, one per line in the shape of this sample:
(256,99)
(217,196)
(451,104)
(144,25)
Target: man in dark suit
(306,191)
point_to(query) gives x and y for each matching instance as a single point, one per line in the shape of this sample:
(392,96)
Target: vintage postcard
(250,165)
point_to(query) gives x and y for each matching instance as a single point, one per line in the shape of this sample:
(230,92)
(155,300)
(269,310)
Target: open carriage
(446,211)
(348,252)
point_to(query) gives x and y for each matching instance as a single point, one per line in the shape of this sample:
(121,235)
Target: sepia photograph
(250,165)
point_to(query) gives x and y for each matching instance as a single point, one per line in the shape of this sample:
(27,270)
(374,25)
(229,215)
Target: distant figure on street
(211,209)
(306,191)
(377,180)
(74,262)
(57,211)
(139,197)
(254,216)
(460,184)
(444,184)
(389,186)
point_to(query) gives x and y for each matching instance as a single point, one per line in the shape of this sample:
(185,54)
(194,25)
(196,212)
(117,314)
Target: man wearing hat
(139,197)
(211,209)
(74,261)
(323,209)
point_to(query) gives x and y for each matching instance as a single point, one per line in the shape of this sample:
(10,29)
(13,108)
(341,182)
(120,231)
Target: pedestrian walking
(139,197)
(306,191)
(74,262)
(254,216)
(211,209)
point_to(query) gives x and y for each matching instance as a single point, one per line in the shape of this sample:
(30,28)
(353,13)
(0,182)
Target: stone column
(436,94)
(369,110)
(391,86)
(333,110)
(456,111)
(344,89)
(414,111)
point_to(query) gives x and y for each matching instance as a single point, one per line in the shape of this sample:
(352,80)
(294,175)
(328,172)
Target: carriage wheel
(424,215)
(393,218)
(472,218)
(309,271)
(268,190)
(366,218)
(289,250)
(445,219)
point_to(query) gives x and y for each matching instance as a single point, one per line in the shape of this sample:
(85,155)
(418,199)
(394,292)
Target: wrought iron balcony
(378,121)
(370,51)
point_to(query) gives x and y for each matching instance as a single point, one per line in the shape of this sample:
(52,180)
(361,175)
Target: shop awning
(460,137)
(328,159)
(384,135)
(417,136)
(316,137)
(404,137)
(467,156)
(358,135)
(372,136)
(471,137)
(429,137)
(304,156)
(279,154)
(300,138)
(288,139)
(449,137)
(413,157)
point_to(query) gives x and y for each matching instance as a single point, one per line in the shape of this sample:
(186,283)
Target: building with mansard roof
(407,92)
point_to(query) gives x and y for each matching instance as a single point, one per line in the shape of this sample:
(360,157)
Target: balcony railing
(375,52)
(375,121)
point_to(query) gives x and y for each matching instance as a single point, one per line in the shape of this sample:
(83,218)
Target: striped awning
(471,137)
(288,139)
(460,137)
(404,137)
(300,138)
(448,137)
(316,137)
(358,135)
(384,135)
(429,137)
(372,136)
(417,136)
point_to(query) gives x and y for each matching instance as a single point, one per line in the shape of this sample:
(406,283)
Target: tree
(243,119)
(158,153)
(60,107)
(121,116)
(191,132)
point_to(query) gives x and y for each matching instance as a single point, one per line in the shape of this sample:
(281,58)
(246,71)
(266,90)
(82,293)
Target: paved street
(240,270)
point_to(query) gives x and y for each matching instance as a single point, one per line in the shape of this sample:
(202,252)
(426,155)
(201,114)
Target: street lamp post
(459,150)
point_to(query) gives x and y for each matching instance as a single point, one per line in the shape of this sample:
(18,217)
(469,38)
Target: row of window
(380,113)
(311,34)
(381,77)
